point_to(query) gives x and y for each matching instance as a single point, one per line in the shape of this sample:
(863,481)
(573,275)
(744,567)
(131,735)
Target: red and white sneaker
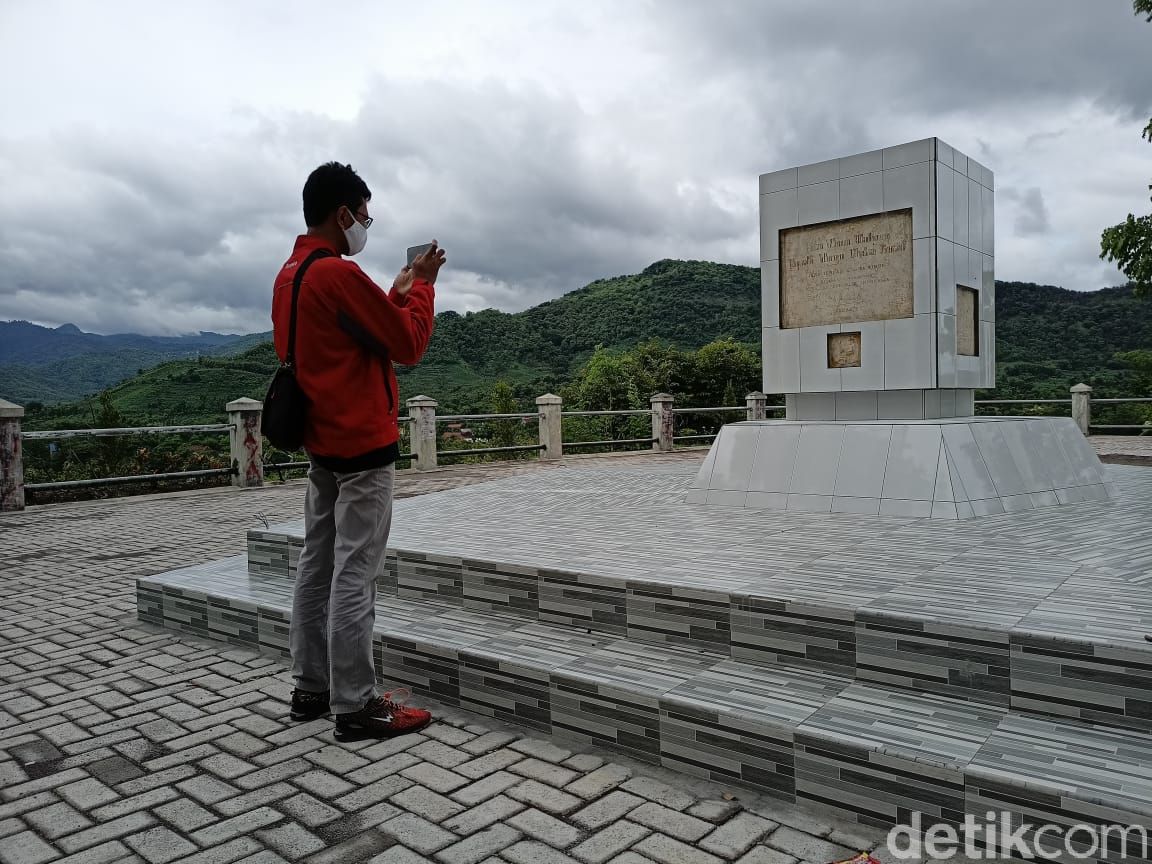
(385,716)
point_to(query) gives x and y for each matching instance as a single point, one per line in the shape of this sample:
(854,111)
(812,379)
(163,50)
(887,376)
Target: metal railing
(246,456)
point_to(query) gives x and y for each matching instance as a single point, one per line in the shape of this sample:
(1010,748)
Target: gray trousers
(346,519)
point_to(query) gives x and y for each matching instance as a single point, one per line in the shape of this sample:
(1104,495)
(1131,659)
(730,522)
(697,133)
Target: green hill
(1048,339)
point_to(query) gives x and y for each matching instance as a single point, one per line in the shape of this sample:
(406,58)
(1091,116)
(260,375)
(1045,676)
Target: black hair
(330,187)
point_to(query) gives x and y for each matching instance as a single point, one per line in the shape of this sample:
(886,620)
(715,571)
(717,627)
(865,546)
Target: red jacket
(348,333)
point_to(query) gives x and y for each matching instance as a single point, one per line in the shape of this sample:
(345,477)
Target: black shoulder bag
(285,406)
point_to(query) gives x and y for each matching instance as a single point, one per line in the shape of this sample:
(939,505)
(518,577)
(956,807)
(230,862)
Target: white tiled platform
(803,653)
(955,468)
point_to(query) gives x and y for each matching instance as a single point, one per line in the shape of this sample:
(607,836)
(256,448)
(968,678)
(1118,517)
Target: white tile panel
(861,195)
(777,210)
(814,406)
(866,506)
(966,458)
(946,277)
(819,202)
(924,276)
(818,172)
(911,186)
(910,353)
(944,153)
(907,154)
(975,216)
(734,460)
(945,201)
(897,507)
(817,459)
(781,360)
(959,209)
(1026,446)
(767,501)
(810,503)
(988,209)
(913,457)
(869,375)
(815,376)
(900,405)
(1006,476)
(943,490)
(862,163)
(775,458)
(987,288)
(944,510)
(946,358)
(770,293)
(862,462)
(725,498)
(856,406)
(778,181)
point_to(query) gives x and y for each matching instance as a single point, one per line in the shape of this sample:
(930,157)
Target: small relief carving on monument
(851,270)
(967,321)
(843,350)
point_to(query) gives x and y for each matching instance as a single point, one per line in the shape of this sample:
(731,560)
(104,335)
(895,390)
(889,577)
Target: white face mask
(356,235)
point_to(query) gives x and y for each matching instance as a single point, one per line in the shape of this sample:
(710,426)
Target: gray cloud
(626,135)
(1031,216)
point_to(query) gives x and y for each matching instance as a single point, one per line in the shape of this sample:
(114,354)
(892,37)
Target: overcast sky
(152,154)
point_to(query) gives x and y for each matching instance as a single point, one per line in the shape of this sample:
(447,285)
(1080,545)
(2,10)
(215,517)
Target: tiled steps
(874,753)
(943,633)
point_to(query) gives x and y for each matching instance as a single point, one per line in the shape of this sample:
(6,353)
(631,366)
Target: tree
(503,402)
(1129,244)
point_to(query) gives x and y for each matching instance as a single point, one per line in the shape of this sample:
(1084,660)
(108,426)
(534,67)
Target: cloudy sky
(152,154)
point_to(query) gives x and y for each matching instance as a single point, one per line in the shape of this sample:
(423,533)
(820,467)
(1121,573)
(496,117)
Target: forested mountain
(1048,339)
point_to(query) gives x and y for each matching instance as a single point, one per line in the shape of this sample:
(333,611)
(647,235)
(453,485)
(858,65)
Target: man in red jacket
(348,334)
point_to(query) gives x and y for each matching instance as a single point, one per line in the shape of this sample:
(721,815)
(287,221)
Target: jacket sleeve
(402,326)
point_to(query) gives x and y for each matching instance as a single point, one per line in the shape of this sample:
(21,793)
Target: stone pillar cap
(549,399)
(422,402)
(663,397)
(757,395)
(244,404)
(10,409)
(1081,388)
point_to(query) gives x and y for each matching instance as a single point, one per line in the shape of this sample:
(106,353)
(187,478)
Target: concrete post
(1082,406)
(663,423)
(246,444)
(757,405)
(422,410)
(551,428)
(11,458)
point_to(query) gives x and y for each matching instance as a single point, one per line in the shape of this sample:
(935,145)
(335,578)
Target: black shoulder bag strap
(290,356)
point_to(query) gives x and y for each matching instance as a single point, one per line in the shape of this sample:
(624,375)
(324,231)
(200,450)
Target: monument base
(955,468)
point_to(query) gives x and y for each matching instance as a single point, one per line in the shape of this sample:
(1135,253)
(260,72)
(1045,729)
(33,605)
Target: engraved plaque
(852,270)
(843,350)
(967,321)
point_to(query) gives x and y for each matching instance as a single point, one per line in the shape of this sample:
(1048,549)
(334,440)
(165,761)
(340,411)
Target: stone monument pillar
(879,324)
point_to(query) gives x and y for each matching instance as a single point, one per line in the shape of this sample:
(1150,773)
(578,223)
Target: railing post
(663,423)
(1082,406)
(422,410)
(11,458)
(757,405)
(245,443)
(551,428)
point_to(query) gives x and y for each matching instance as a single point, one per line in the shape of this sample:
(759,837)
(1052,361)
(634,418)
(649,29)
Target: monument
(879,324)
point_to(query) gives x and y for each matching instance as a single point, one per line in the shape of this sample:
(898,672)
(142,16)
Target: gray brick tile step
(869,751)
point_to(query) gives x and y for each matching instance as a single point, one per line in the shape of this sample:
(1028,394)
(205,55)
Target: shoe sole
(366,734)
(299,717)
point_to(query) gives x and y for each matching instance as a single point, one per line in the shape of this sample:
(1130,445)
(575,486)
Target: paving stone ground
(119,743)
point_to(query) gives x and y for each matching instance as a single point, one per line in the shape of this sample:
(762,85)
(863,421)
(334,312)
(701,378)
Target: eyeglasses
(366,221)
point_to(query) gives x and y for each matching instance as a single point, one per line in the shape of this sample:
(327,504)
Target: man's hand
(427,266)
(402,284)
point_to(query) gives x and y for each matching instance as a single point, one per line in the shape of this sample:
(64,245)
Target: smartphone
(415,252)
